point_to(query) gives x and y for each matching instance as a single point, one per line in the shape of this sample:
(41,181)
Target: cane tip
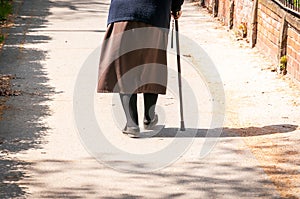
(181,129)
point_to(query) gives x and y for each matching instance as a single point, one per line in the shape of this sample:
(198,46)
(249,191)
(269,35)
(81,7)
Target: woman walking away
(133,56)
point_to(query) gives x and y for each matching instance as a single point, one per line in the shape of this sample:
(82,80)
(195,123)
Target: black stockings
(129,103)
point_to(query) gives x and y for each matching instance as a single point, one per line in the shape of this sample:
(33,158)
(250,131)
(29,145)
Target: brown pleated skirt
(133,59)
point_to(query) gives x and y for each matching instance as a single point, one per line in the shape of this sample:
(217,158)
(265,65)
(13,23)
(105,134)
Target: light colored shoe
(148,125)
(132,131)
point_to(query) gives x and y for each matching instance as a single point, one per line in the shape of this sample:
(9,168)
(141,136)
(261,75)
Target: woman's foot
(132,131)
(149,124)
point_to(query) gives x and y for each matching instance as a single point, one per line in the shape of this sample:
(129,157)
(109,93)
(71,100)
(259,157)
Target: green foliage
(5,9)
(283,63)
(283,60)
(1,38)
(297,3)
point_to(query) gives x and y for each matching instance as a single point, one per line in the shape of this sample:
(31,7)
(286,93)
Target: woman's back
(153,12)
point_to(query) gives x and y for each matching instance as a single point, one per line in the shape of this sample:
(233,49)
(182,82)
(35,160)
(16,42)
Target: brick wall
(293,52)
(271,18)
(270,35)
(242,12)
(223,11)
(208,5)
(268,26)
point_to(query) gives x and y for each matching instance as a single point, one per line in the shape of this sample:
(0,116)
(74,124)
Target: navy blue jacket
(153,12)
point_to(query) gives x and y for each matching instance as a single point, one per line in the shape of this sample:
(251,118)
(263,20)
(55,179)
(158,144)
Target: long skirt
(133,59)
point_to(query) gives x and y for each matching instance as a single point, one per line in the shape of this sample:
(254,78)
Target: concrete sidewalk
(46,153)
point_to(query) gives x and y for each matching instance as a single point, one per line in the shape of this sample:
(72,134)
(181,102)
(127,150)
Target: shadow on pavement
(226,131)
(204,179)
(23,127)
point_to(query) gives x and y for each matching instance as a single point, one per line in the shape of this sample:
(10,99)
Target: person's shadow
(161,131)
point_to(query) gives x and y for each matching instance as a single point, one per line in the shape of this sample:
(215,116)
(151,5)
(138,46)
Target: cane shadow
(169,132)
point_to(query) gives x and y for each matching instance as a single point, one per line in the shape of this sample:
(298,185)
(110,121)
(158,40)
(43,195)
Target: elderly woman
(133,56)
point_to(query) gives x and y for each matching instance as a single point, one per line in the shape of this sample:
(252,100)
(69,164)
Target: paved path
(46,151)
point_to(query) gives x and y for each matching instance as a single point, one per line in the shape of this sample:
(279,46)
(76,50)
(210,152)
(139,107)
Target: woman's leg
(150,100)
(129,103)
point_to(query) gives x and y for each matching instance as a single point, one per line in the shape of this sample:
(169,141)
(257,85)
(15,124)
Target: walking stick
(182,128)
